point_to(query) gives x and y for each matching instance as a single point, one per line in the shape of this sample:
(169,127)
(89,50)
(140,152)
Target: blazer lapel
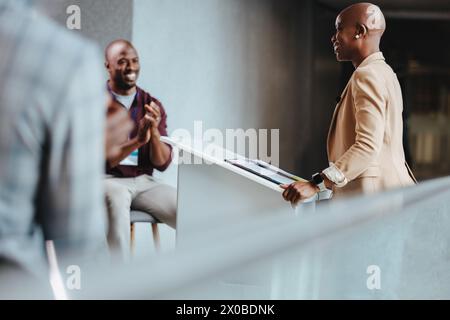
(336,111)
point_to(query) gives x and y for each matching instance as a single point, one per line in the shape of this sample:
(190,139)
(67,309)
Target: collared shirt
(52,112)
(137,112)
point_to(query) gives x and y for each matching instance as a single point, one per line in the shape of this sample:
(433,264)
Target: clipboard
(265,171)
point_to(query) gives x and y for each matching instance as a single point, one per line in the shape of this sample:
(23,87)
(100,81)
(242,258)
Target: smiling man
(365,147)
(130,183)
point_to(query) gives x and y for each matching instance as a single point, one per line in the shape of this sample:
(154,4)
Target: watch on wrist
(319,182)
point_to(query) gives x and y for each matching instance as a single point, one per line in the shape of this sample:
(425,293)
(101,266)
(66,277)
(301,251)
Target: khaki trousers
(142,193)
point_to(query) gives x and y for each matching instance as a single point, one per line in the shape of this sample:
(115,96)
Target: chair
(143,217)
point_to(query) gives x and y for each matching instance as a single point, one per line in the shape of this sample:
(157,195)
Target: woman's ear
(361,31)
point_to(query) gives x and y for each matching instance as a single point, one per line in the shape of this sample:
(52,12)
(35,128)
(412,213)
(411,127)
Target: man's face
(343,40)
(123,66)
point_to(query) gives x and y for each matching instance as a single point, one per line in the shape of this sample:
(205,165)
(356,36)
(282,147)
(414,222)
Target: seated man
(129,184)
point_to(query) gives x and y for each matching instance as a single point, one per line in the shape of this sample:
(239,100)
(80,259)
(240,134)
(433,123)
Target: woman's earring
(357,36)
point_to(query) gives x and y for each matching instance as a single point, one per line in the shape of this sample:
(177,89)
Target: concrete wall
(101,20)
(263,64)
(231,64)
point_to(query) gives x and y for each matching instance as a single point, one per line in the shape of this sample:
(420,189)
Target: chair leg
(156,239)
(132,242)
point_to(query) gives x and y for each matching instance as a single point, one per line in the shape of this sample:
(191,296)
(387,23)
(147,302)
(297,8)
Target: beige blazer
(365,141)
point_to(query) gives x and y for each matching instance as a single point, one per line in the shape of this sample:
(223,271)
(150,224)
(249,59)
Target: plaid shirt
(137,112)
(51,139)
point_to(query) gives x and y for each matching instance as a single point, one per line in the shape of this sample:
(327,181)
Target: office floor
(144,240)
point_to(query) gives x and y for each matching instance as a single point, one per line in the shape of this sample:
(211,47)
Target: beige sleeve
(369,97)
(335,175)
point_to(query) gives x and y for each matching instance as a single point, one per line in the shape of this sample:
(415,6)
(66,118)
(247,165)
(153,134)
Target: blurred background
(269,64)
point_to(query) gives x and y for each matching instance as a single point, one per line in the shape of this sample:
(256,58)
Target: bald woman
(365,148)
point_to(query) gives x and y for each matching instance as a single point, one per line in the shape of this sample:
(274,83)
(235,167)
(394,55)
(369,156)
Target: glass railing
(393,245)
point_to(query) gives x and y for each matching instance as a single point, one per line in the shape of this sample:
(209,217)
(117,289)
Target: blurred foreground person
(52,129)
(365,141)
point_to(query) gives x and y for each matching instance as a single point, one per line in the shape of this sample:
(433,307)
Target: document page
(265,171)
